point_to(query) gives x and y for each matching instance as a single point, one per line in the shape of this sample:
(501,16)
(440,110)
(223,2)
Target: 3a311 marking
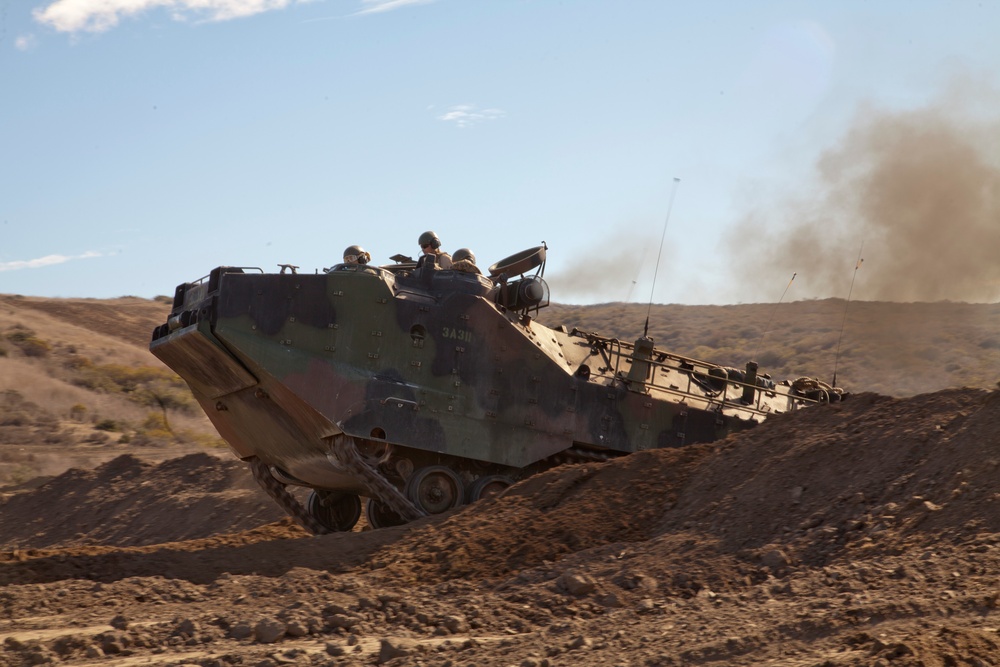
(463,335)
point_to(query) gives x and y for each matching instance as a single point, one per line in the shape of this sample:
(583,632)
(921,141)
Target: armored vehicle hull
(424,389)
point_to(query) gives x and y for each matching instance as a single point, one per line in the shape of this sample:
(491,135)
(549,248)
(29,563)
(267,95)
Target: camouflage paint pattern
(430,368)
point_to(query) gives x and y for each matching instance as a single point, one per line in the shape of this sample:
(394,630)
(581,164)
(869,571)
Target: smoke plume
(918,190)
(611,272)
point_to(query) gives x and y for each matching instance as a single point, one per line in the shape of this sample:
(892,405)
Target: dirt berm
(862,533)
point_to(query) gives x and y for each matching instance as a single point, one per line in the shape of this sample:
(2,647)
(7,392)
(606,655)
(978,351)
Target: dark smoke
(919,189)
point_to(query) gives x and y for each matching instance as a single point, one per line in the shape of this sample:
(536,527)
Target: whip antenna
(767,327)
(843,324)
(670,206)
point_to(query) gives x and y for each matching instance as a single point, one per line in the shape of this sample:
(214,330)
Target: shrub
(30,344)
(12,397)
(155,421)
(107,425)
(77,362)
(146,385)
(95,382)
(98,438)
(156,427)
(19,333)
(58,438)
(15,419)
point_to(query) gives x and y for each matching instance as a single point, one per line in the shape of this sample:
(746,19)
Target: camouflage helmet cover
(429,238)
(463,253)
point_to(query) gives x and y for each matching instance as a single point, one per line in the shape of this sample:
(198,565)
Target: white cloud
(48,260)
(25,42)
(101,15)
(466,115)
(377,6)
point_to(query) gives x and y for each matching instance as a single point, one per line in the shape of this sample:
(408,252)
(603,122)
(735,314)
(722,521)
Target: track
(345,455)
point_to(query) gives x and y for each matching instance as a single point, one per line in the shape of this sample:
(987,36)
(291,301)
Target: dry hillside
(78,386)
(897,349)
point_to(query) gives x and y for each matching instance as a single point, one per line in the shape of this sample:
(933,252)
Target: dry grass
(96,372)
(897,349)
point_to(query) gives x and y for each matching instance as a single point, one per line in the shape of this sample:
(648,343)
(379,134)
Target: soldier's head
(463,253)
(429,242)
(355,254)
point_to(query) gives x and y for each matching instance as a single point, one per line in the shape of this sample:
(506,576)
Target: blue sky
(144,142)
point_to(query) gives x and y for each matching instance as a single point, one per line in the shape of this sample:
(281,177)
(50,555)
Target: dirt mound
(127,502)
(860,533)
(811,480)
(810,483)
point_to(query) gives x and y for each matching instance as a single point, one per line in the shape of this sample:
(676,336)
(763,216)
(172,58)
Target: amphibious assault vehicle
(420,389)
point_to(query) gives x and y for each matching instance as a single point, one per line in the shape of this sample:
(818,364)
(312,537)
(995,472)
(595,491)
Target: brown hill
(896,349)
(78,386)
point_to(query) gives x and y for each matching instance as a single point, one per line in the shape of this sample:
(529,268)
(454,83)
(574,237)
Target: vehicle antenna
(670,206)
(767,327)
(843,324)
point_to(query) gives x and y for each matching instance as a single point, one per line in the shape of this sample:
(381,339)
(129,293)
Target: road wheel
(488,486)
(380,516)
(435,489)
(336,511)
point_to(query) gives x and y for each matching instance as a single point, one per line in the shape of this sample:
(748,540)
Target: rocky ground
(861,533)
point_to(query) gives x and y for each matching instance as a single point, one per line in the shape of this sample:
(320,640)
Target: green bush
(107,425)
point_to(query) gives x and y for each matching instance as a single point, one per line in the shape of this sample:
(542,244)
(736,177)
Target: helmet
(355,254)
(429,238)
(463,253)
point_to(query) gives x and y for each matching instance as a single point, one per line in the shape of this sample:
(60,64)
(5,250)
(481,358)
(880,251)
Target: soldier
(430,244)
(355,254)
(465,260)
